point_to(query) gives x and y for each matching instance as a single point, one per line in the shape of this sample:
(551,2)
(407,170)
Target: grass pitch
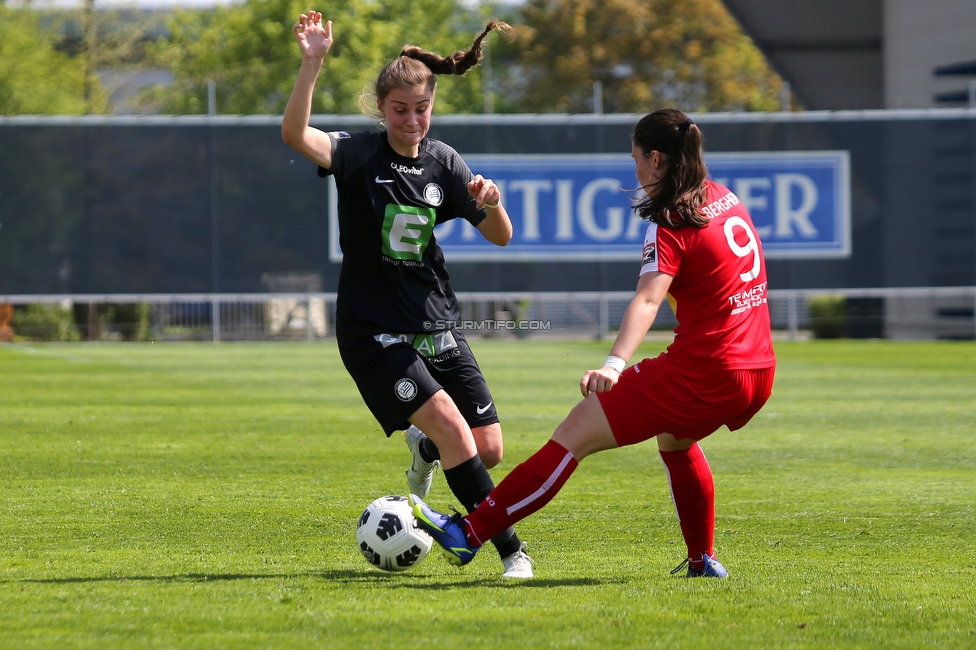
(206,496)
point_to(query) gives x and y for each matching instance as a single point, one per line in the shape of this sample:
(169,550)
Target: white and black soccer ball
(388,535)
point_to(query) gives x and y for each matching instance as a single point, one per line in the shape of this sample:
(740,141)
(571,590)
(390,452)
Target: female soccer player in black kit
(396,311)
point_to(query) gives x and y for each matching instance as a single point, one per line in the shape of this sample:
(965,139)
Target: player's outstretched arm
(497,226)
(652,290)
(314,40)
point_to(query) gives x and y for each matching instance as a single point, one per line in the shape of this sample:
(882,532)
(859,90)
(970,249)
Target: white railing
(905,312)
(915,312)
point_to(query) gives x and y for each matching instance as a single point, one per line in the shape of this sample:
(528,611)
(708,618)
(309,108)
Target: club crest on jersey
(433,194)
(405,389)
(650,253)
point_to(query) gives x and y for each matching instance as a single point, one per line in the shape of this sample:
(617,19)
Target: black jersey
(393,277)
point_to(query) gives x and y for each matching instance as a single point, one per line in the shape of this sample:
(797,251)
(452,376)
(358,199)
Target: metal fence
(898,313)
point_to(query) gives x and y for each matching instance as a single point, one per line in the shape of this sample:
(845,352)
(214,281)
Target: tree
(35,78)
(689,54)
(249,51)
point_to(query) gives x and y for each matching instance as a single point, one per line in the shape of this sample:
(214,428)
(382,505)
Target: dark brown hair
(678,198)
(418,67)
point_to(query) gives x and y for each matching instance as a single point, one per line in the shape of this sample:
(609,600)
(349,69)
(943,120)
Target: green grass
(201,496)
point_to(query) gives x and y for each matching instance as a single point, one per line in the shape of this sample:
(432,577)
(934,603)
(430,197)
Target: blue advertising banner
(578,207)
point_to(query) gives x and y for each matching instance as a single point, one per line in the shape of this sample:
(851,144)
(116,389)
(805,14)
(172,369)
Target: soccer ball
(388,535)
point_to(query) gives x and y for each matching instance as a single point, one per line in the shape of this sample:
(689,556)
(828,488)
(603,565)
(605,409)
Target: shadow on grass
(396,581)
(366,576)
(186,577)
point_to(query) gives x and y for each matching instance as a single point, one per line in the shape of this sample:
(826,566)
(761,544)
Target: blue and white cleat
(447,531)
(712,569)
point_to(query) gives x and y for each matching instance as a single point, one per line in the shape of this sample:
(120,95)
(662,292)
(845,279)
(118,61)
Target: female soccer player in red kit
(701,251)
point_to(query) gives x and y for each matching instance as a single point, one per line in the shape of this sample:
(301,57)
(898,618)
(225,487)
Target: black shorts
(397,373)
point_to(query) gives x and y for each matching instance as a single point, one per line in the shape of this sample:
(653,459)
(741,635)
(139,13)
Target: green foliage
(35,78)
(127,322)
(130,321)
(828,316)
(44,323)
(691,55)
(136,318)
(115,321)
(205,496)
(251,54)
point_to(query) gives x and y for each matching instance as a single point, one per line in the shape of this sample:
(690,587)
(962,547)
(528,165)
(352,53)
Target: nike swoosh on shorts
(481,410)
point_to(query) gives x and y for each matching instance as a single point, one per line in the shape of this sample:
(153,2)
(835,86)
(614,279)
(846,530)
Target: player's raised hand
(314,38)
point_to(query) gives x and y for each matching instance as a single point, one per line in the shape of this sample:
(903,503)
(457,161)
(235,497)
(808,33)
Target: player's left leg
(510,548)
(460,375)
(730,397)
(490,443)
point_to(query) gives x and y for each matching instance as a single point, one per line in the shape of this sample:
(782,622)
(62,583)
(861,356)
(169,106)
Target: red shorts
(656,396)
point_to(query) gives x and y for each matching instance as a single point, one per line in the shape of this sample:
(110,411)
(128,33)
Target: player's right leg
(533,483)
(447,530)
(441,421)
(394,381)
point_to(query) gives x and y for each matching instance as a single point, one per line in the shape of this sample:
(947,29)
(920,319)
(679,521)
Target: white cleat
(518,565)
(421,473)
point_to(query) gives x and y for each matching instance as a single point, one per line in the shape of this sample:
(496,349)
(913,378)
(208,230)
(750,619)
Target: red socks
(534,483)
(526,489)
(693,493)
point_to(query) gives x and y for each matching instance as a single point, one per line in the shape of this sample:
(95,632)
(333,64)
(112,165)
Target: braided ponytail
(459,62)
(418,67)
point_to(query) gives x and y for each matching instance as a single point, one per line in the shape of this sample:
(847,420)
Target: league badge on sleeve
(650,253)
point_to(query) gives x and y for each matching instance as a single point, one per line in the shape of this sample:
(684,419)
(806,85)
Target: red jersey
(719,289)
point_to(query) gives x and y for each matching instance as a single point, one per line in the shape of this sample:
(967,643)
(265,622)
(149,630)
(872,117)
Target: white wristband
(493,205)
(616,363)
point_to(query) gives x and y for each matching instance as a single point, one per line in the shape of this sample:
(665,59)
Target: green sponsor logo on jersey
(407,231)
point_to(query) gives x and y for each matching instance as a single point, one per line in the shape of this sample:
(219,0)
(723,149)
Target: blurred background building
(861,54)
